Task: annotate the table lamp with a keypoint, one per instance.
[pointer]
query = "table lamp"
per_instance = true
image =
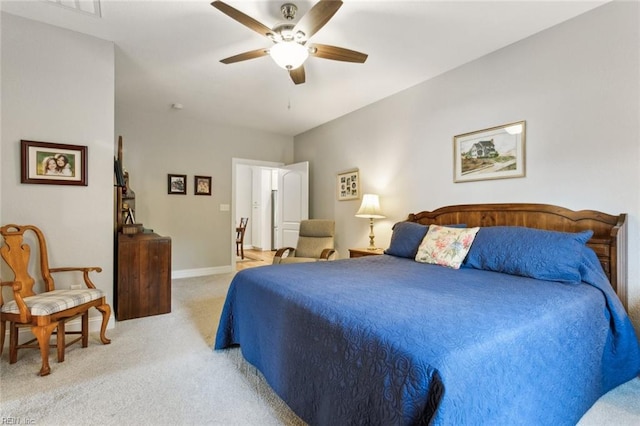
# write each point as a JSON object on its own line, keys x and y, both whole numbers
{"x": 370, "y": 208}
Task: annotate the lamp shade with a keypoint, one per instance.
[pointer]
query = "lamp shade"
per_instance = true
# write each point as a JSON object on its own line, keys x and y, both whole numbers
{"x": 289, "y": 54}
{"x": 370, "y": 207}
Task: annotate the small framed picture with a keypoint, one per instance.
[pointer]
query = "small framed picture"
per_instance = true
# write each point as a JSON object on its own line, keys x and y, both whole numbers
{"x": 494, "y": 153}
{"x": 177, "y": 184}
{"x": 202, "y": 185}
{"x": 53, "y": 163}
{"x": 348, "y": 185}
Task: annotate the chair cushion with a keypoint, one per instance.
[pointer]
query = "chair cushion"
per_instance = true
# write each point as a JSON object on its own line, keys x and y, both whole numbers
{"x": 54, "y": 301}
{"x": 292, "y": 259}
{"x": 317, "y": 228}
{"x": 312, "y": 246}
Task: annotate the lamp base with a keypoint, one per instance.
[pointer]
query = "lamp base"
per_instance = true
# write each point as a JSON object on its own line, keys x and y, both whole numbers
{"x": 372, "y": 237}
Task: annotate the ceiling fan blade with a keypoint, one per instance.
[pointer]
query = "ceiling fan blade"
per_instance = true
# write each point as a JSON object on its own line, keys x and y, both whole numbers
{"x": 325, "y": 51}
{"x": 317, "y": 17}
{"x": 245, "y": 20}
{"x": 297, "y": 75}
{"x": 252, "y": 54}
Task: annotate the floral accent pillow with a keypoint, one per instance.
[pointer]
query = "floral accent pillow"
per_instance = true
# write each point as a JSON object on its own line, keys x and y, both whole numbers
{"x": 446, "y": 246}
{"x": 407, "y": 236}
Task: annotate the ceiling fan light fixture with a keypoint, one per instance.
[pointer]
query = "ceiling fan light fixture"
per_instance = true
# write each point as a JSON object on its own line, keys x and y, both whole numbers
{"x": 289, "y": 55}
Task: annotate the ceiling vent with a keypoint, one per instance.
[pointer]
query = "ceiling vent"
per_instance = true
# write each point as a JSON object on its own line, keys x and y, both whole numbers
{"x": 86, "y": 7}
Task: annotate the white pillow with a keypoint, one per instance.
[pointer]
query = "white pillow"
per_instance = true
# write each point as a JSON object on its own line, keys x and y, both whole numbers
{"x": 446, "y": 246}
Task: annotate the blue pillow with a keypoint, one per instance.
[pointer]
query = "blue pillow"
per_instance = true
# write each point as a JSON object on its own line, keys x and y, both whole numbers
{"x": 406, "y": 238}
{"x": 529, "y": 252}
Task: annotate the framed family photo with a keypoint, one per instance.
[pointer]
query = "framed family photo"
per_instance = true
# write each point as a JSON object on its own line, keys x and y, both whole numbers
{"x": 348, "y": 185}
{"x": 177, "y": 184}
{"x": 202, "y": 185}
{"x": 53, "y": 163}
{"x": 493, "y": 153}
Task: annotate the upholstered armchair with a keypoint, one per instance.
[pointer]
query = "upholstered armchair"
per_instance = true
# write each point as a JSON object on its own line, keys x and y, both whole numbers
{"x": 315, "y": 243}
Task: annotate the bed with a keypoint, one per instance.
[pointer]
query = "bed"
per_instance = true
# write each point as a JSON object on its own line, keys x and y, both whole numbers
{"x": 530, "y": 328}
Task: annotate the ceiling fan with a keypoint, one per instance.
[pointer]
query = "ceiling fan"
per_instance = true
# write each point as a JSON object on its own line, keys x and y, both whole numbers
{"x": 291, "y": 48}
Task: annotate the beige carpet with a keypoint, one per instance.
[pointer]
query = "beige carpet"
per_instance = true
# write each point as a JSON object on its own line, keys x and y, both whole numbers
{"x": 161, "y": 370}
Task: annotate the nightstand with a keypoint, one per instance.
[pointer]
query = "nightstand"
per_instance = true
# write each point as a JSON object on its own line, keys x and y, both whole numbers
{"x": 361, "y": 252}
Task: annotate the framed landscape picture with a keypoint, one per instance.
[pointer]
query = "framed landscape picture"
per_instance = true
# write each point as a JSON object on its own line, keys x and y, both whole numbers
{"x": 348, "y": 185}
{"x": 494, "y": 153}
{"x": 53, "y": 163}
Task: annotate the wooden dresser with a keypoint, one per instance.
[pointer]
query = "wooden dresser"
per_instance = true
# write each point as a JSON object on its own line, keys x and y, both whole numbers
{"x": 142, "y": 259}
{"x": 143, "y": 275}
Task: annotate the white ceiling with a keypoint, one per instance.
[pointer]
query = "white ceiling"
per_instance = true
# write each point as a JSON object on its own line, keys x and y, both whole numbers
{"x": 169, "y": 51}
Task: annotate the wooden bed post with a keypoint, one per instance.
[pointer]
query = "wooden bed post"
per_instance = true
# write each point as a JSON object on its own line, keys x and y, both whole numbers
{"x": 618, "y": 256}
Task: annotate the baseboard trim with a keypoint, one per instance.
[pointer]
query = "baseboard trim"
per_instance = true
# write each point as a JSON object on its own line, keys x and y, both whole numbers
{"x": 188, "y": 273}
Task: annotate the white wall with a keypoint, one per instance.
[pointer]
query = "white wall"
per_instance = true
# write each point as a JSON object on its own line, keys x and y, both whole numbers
{"x": 58, "y": 86}
{"x": 576, "y": 85}
{"x": 158, "y": 143}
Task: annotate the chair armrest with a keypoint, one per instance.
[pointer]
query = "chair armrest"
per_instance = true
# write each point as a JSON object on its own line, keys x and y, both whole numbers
{"x": 282, "y": 253}
{"x": 16, "y": 286}
{"x": 85, "y": 273}
{"x": 326, "y": 254}
{"x": 285, "y": 250}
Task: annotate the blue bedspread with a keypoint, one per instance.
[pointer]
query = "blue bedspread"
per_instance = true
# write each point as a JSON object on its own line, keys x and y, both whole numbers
{"x": 386, "y": 340}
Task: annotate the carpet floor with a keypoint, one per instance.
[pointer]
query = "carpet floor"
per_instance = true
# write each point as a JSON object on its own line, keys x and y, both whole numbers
{"x": 161, "y": 370}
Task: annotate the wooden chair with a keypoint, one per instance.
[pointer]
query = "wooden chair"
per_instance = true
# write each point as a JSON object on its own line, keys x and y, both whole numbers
{"x": 49, "y": 310}
{"x": 240, "y": 230}
{"x": 315, "y": 243}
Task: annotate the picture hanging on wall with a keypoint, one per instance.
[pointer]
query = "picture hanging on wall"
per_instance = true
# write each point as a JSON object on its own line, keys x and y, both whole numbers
{"x": 202, "y": 185}
{"x": 53, "y": 163}
{"x": 348, "y": 185}
{"x": 177, "y": 184}
{"x": 494, "y": 153}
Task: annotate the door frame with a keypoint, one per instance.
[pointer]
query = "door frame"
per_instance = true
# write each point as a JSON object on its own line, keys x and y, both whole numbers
{"x": 234, "y": 163}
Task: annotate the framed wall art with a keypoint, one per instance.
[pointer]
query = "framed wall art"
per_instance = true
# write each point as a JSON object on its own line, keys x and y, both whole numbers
{"x": 202, "y": 185}
{"x": 348, "y": 185}
{"x": 494, "y": 153}
{"x": 177, "y": 184}
{"x": 53, "y": 163}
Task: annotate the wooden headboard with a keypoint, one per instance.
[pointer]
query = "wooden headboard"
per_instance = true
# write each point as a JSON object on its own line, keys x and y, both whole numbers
{"x": 609, "y": 239}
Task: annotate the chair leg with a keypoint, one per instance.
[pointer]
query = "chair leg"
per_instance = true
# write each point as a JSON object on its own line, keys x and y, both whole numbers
{"x": 85, "y": 329}
{"x": 43, "y": 334}
{"x": 241, "y": 251}
{"x": 60, "y": 341}
{"x": 3, "y": 330}
{"x": 106, "y": 313}
{"x": 13, "y": 343}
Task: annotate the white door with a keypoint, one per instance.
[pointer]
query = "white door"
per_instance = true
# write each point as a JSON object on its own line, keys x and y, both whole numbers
{"x": 292, "y": 202}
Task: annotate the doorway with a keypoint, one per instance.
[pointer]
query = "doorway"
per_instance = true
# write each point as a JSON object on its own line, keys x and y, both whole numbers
{"x": 274, "y": 196}
{"x": 254, "y": 258}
